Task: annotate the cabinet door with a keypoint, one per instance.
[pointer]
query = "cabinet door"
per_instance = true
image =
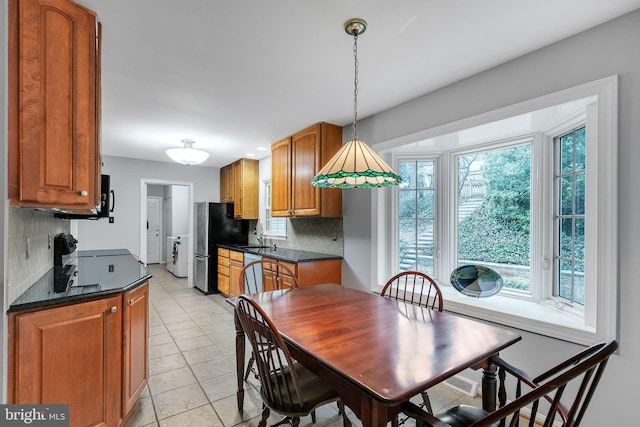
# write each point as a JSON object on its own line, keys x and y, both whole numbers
{"x": 52, "y": 112}
{"x": 248, "y": 182}
{"x": 237, "y": 191}
{"x": 234, "y": 278}
{"x": 281, "y": 178}
{"x": 286, "y": 281}
{"x": 223, "y": 284}
{"x": 224, "y": 184}
{"x": 71, "y": 355}
{"x": 136, "y": 346}
{"x": 305, "y": 161}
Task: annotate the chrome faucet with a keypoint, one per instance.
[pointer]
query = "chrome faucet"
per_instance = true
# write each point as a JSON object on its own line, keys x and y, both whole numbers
{"x": 260, "y": 236}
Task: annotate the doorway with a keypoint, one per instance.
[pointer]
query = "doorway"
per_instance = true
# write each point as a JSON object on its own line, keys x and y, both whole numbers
{"x": 144, "y": 248}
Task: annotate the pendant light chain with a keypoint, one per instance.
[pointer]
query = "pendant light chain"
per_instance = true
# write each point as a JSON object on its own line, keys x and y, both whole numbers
{"x": 355, "y": 165}
{"x": 355, "y": 86}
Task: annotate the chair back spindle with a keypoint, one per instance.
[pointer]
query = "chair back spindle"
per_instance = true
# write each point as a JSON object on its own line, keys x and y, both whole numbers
{"x": 548, "y": 397}
{"x": 585, "y": 368}
{"x": 414, "y": 287}
{"x": 266, "y": 275}
{"x": 280, "y": 385}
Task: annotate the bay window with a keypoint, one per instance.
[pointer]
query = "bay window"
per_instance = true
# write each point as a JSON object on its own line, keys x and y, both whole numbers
{"x": 528, "y": 191}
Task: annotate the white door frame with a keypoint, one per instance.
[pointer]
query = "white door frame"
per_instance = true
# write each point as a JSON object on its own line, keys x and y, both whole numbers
{"x": 161, "y": 237}
{"x": 143, "y": 220}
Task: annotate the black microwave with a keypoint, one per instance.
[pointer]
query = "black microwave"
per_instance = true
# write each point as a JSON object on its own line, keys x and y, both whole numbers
{"x": 106, "y": 207}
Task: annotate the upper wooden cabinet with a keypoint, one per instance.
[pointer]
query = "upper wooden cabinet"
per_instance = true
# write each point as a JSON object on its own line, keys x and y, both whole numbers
{"x": 239, "y": 185}
{"x": 53, "y": 113}
{"x": 294, "y": 162}
{"x": 227, "y": 189}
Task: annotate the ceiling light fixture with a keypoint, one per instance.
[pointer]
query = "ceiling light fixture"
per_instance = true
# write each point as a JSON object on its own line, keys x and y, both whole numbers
{"x": 356, "y": 165}
{"x": 187, "y": 155}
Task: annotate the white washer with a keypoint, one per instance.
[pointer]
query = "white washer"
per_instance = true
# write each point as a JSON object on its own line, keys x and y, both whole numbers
{"x": 181, "y": 254}
{"x": 169, "y": 255}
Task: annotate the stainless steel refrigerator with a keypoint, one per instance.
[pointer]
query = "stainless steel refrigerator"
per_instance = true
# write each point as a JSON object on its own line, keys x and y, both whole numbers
{"x": 214, "y": 225}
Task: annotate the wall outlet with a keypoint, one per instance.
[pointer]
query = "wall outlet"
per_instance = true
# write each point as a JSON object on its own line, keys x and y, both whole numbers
{"x": 111, "y": 220}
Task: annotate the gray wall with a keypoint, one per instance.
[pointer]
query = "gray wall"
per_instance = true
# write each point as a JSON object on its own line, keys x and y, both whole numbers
{"x": 126, "y": 175}
{"x": 609, "y": 49}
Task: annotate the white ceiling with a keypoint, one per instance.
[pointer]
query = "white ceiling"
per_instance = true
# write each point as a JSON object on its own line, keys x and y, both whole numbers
{"x": 237, "y": 75}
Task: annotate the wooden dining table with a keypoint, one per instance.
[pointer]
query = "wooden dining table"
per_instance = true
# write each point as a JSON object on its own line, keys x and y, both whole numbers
{"x": 376, "y": 352}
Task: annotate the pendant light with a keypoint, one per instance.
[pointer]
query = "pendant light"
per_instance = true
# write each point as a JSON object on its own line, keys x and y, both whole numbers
{"x": 187, "y": 155}
{"x": 356, "y": 165}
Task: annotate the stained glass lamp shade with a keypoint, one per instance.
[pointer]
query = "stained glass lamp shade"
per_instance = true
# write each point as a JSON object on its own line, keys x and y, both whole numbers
{"x": 356, "y": 165}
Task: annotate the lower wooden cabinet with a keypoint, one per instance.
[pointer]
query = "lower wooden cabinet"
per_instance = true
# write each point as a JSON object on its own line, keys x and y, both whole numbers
{"x": 236, "y": 262}
{"x": 135, "y": 362}
{"x": 309, "y": 273}
{"x": 223, "y": 271}
{"x": 92, "y": 356}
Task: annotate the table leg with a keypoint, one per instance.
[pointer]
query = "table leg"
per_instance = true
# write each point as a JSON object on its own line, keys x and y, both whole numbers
{"x": 489, "y": 387}
{"x": 373, "y": 413}
{"x": 239, "y": 360}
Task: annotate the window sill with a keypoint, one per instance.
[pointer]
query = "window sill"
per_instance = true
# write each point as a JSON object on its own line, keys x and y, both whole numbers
{"x": 520, "y": 314}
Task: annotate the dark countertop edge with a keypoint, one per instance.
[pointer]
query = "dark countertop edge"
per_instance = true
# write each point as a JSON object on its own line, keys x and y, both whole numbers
{"x": 76, "y": 299}
{"x": 316, "y": 255}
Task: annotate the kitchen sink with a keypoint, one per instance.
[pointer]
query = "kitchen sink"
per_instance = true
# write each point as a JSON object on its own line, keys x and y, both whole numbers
{"x": 252, "y": 247}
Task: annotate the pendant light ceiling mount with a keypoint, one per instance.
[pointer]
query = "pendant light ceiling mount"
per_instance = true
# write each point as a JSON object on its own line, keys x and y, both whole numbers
{"x": 356, "y": 165}
{"x": 355, "y": 26}
{"x": 187, "y": 155}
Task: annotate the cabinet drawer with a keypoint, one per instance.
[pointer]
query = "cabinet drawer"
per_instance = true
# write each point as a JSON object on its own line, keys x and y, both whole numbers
{"x": 223, "y": 252}
{"x": 236, "y": 256}
{"x": 223, "y": 284}
{"x": 292, "y": 266}
{"x": 224, "y": 270}
{"x": 223, "y": 261}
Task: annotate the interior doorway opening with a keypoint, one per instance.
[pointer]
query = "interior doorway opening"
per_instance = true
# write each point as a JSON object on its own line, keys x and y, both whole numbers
{"x": 181, "y": 223}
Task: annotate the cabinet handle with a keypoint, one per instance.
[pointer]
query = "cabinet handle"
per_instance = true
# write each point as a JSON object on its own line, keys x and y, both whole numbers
{"x": 130, "y": 302}
{"x": 84, "y": 193}
{"x": 114, "y": 309}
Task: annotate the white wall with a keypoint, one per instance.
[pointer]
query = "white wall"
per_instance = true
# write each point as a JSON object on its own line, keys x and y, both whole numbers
{"x": 126, "y": 175}
{"x": 179, "y": 210}
{"x": 609, "y": 49}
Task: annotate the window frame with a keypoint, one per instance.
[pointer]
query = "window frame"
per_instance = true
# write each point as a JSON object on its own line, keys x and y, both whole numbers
{"x": 530, "y": 139}
{"x": 268, "y": 219}
{"x": 396, "y": 249}
{"x": 541, "y": 317}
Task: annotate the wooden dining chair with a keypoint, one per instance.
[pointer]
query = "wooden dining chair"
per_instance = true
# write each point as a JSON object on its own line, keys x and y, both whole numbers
{"x": 542, "y": 399}
{"x": 266, "y": 275}
{"x": 261, "y": 276}
{"x": 286, "y": 387}
{"x": 416, "y": 288}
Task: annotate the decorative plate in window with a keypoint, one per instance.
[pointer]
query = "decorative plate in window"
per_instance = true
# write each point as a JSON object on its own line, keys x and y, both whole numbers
{"x": 476, "y": 281}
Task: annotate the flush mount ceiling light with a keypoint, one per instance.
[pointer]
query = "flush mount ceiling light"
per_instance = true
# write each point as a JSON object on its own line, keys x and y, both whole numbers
{"x": 356, "y": 165}
{"x": 187, "y": 155}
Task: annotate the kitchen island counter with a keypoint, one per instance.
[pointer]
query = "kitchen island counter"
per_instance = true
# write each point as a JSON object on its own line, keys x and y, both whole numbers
{"x": 91, "y": 275}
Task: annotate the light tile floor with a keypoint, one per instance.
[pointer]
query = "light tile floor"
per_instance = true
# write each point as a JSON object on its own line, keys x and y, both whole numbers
{"x": 192, "y": 379}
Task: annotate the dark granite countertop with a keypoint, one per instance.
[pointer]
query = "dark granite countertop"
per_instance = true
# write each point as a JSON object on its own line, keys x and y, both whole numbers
{"x": 284, "y": 254}
{"x": 91, "y": 275}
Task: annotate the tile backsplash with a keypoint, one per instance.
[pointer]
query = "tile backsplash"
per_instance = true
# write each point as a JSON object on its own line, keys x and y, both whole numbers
{"x": 39, "y": 228}
{"x": 324, "y": 235}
